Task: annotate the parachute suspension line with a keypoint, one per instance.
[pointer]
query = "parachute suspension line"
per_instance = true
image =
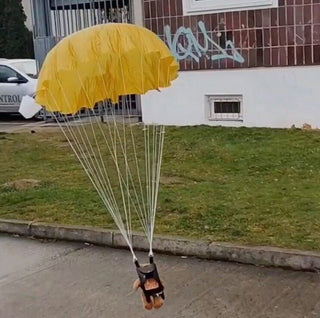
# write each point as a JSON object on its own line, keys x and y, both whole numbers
{"x": 152, "y": 164}
{"x": 157, "y": 181}
{"x": 109, "y": 186}
{"x": 147, "y": 164}
{"x": 128, "y": 233}
{"x": 83, "y": 157}
{"x": 87, "y": 148}
{"x": 118, "y": 169}
{"x": 144, "y": 209}
{"x": 140, "y": 214}
{"x": 155, "y": 166}
{"x": 97, "y": 166}
{"x": 116, "y": 217}
{"x": 102, "y": 163}
{"x": 127, "y": 208}
{"x": 127, "y": 214}
{"x": 124, "y": 149}
{"x": 128, "y": 217}
{"x": 158, "y": 153}
{"x": 91, "y": 154}
{"x": 141, "y": 217}
{"x": 82, "y": 154}
{"x": 150, "y": 182}
{"x": 129, "y": 174}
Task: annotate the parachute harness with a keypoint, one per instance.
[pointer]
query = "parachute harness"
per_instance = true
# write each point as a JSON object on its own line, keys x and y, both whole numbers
{"x": 149, "y": 272}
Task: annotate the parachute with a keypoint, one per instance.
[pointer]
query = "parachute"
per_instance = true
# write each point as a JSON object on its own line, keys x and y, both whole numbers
{"x": 103, "y": 62}
{"x": 87, "y": 81}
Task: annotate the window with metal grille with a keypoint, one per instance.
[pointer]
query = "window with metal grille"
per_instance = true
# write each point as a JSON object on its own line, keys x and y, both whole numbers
{"x": 225, "y": 107}
{"x": 210, "y": 6}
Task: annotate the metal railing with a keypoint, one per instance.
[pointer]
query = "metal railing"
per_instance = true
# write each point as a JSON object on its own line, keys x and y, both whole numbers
{"x": 56, "y": 19}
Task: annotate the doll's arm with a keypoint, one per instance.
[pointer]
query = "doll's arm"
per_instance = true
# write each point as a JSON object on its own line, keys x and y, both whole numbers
{"x": 136, "y": 284}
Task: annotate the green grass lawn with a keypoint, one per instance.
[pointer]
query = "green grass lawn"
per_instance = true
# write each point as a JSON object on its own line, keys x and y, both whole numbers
{"x": 252, "y": 186}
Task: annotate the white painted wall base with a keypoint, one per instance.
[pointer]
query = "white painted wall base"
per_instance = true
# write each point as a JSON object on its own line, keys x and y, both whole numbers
{"x": 272, "y": 97}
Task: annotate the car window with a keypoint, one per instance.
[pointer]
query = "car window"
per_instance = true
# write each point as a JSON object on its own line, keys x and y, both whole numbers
{"x": 6, "y": 72}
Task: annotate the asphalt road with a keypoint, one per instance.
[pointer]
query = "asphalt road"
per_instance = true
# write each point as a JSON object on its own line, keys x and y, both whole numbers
{"x": 60, "y": 279}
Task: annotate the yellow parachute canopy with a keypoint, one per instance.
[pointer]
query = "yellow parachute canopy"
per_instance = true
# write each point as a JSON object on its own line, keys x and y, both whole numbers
{"x": 104, "y": 62}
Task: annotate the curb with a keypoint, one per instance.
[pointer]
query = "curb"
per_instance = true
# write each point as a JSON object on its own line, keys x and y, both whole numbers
{"x": 259, "y": 256}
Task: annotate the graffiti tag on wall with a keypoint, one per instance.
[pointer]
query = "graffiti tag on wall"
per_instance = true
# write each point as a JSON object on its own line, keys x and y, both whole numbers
{"x": 192, "y": 48}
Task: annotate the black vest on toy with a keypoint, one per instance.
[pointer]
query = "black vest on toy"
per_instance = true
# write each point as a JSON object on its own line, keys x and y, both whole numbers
{"x": 146, "y": 272}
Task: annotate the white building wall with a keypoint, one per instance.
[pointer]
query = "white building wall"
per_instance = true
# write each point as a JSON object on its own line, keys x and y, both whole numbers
{"x": 272, "y": 97}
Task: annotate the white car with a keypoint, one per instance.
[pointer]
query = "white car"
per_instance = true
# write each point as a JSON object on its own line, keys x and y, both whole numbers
{"x": 18, "y": 78}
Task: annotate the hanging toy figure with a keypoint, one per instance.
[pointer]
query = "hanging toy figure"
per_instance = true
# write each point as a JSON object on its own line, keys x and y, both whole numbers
{"x": 151, "y": 285}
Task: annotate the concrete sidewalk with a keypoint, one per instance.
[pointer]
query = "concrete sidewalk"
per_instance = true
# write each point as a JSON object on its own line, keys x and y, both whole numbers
{"x": 57, "y": 279}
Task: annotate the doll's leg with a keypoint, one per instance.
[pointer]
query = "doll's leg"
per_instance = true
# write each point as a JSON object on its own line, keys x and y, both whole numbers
{"x": 158, "y": 302}
{"x": 147, "y": 305}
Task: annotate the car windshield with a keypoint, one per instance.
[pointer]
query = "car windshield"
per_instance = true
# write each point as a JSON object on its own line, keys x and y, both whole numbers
{"x": 27, "y": 67}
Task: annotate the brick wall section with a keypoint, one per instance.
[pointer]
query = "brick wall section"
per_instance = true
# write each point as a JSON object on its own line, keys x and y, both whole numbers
{"x": 285, "y": 36}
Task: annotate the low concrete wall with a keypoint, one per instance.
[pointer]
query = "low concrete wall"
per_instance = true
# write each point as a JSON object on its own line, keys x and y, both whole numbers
{"x": 260, "y": 255}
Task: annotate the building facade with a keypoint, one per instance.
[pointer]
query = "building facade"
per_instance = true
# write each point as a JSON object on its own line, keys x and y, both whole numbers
{"x": 253, "y": 63}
